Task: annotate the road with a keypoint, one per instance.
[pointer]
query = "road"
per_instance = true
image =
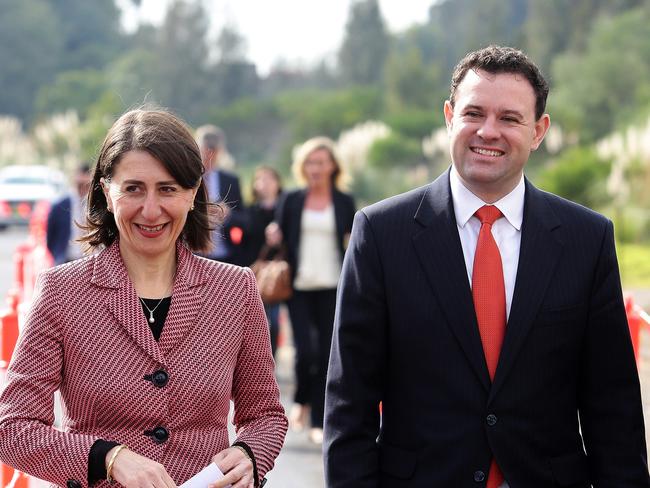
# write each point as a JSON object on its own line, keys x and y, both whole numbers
{"x": 300, "y": 463}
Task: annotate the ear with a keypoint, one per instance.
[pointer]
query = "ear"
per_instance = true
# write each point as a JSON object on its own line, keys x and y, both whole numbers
{"x": 105, "y": 189}
{"x": 541, "y": 128}
{"x": 449, "y": 114}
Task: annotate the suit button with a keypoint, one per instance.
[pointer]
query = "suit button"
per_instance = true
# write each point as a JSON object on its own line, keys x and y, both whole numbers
{"x": 159, "y": 378}
{"x": 491, "y": 420}
{"x": 479, "y": 476}
{"x": 158, "y": 434}
{"x": 73, "y": 484}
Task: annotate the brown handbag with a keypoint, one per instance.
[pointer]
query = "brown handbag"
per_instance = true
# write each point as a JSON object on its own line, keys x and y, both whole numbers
{"x": 273, "y": 276}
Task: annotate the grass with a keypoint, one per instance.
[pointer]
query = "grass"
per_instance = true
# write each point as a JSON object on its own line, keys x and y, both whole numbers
{"x": 634, "y": 263}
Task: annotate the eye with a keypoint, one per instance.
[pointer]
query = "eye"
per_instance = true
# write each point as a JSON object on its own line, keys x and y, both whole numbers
{"x": 168, "y": 189}
{"x": 510, "y": 119}
{"x": 131, "y": 188}
{"x": 472, "y": 114}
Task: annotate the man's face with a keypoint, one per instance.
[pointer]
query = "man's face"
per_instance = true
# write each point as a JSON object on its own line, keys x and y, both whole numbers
{"x": 209, "y": 156}
{"x": 492, "y": 130}
{"x": 82, "y": 181}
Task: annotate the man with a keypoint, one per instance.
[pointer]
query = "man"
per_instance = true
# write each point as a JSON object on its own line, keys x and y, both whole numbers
{"x": 223, "y": 186}
{"x": 499, "y": 350}
{"x": 62, "y": 228}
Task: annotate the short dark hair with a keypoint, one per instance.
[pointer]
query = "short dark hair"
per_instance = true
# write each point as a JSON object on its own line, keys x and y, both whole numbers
{"x": 499, "y": 59}
{"x": 168, "y": 139}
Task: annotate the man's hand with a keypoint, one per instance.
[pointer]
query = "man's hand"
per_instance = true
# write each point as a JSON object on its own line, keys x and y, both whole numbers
{"x": 237, "y": 468}
{"x": 134, "y": 471}
{"x": 273, "y": 235}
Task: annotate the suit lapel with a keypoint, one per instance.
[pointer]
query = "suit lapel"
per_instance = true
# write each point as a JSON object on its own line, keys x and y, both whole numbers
{"x": 538, "y": 257}
{"x": 109, "y": 271}
{"x": 440, "y": 253}
{"x": 186, "y": 302}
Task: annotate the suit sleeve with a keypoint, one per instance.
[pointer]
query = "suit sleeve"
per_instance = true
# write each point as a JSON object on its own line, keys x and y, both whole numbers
{"x": 28, "y": 441}
{"x": 259, "y": 416}
{"x": 355, "y": 382}
{"x": 610, "y": 402}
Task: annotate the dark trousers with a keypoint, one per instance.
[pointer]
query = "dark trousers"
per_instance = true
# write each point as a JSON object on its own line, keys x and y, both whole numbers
{"x": 312, "y": 321}
{"x": 273, "y": 317}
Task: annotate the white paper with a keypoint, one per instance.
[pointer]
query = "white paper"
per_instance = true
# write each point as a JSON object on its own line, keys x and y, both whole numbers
{"x": 204, "y": 477}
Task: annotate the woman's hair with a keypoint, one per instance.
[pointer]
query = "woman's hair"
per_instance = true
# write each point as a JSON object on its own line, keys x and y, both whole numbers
{"x": 165, "y": 137}
{"x": 301, "y": 154}
{"x": 265, "y": 169}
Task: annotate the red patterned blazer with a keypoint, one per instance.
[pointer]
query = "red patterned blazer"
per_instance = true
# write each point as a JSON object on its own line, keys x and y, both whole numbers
{"x": 86, "y": 336}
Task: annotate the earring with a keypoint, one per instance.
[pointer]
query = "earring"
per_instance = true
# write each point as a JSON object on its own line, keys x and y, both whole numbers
{"x": 192, "y": 207}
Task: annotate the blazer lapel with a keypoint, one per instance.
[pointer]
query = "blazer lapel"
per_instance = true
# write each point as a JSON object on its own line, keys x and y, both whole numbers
{"x": 109, "y": 271}
{"x": 440, "y": 253}
{"x": 186, "y": 302}
{"x": 538, "y": 256}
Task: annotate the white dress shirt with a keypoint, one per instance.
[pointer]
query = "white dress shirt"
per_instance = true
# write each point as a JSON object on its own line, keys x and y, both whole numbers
{"x": 506, "y": 231}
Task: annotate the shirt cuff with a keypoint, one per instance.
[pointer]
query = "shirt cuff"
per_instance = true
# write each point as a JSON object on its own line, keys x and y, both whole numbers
{"x": 249, "y": 451}
{"x": 97, "y": 460}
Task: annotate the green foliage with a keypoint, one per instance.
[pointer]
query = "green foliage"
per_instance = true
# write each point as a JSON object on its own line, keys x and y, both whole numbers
{"x": 395, "y": 151}
{"x": 365, "y": 45}
{"x": 310, "y": 113}
{"x": 415, "y": 124}
{"x": 600, "y": 90}
{"x": 634, "y": 264}
{"x": 578, "y": 175}
{"x": 30, "y": 49}
{"x": 72, "y": 90}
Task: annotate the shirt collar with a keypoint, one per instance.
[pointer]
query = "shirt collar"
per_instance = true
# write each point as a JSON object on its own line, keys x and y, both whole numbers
{"x": 466, "y": 203}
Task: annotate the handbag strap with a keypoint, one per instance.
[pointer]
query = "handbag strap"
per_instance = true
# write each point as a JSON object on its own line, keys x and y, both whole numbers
{"x": 266, "y": 250}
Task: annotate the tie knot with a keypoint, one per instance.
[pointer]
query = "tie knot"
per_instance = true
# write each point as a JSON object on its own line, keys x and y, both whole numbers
{"x": 488, "y": 214}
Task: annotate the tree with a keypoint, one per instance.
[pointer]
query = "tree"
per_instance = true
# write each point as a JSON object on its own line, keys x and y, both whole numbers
{"x": 31, "y": 47}
{"x": 365, "y": 46}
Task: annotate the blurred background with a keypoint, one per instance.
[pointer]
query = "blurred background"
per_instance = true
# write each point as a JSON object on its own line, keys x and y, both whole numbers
{"x": 371, "y": 74}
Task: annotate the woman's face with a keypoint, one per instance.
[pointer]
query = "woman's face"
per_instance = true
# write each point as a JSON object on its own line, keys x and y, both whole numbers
{"x": 266, "y": 185}
{"x": 319, "y": 168}
{"x": 149, "y": 206}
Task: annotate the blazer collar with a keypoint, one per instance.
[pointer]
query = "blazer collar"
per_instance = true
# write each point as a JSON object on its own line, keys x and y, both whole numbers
{"x": 109, "y": 271}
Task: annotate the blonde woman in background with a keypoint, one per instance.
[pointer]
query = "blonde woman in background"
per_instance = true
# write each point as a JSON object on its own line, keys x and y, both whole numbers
{"x": 314, "y": 222}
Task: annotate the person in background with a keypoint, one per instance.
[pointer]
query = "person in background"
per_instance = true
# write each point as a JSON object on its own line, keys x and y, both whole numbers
{"x": 146, "y": 342}
{"x": 266, "y": 191}
{"x": 65, "y": 215}
{"x": 486, "y": 316}
{"x": 223, "y": 186}
{"x": 314, "y": 222}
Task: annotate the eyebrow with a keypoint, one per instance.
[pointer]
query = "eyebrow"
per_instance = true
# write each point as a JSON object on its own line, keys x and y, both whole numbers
{"x": 504, "y": 112}
{"x": 160, "y": 183}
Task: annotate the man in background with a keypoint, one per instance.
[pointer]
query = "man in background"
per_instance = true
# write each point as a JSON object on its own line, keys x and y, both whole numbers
{"x": 62, "y": 228}
{"x": 223, "y": 186}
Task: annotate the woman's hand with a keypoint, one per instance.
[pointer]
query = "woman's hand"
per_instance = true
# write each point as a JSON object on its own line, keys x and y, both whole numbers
{"x": 134, "y": 471}
{"x": 237, "y": 468}
{"x": 273, "y": 235}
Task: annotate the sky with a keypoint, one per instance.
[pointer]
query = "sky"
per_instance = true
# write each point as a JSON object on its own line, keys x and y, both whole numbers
{"x": 297, "y": 32}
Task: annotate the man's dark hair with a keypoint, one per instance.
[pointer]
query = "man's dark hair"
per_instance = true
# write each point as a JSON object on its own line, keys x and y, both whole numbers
{"x": 165, "y": 137}
{"x": 500, "y": 59}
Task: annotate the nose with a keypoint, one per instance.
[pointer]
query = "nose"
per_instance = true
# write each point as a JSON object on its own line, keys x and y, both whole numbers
{"x": 151, "y": 208}
{"x": 489, "y": 129}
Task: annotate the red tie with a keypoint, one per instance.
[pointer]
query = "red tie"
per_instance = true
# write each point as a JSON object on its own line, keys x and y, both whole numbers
{"x": 488, "y": 291}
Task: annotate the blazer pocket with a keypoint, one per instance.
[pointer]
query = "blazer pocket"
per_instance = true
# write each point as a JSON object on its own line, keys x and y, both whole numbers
{"x": 396, "y": 461}
{"x": 560, "y": 315}
{"x": 571, "y": 469}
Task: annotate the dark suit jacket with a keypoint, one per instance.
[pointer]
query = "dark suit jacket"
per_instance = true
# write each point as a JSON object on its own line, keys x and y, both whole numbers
{"x": 406, "y": 334}
{"x": 230, "y": 194}
{"x": 289, "y": 216}
{"x": 59, "y": 229}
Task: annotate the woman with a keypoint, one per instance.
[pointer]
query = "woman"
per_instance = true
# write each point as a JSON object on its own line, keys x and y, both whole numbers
{"x": 146, "y": 342}
{"x": 266, "y": 190}
{"x": 315, "y": 223}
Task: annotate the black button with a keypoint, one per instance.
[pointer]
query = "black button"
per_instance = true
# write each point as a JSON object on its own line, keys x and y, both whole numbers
{"x": 491, "y": 419}
{"x": 73, "y": 484}
{"x": 479, "y": 476}
{"x": 158, "y": 434}
{"x": 159, "y": 378}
